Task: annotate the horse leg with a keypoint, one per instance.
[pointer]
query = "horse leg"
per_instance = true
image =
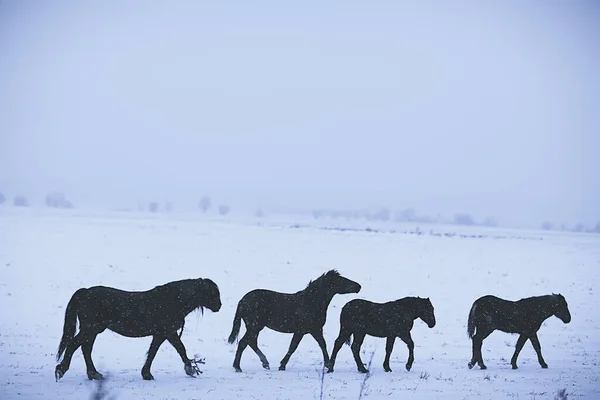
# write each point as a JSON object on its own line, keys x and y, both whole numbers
{"x": 253, "y": 343}
{"x": 358, "y": 341}
{"x": 86, "y": 349}
{"x": 538, "y": 349}
{"x": 63, "y": 367}
{"x": 389, "y": 345}
{"x": 520, "y": 343}
{"x": 343, "y": 337}
{"x": 238, "y": 354}
{"x": 293, "y": 346}
{"x": 318, "y": 335}
{"x": 406, "y": 338}
{"x": 477, "y": 344}
{"x": 157, "y": 341}
{"x": 176, "y": 342}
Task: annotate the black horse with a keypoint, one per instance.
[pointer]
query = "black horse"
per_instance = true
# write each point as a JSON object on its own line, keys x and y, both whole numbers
{"x": 298, "y": 313}
{"x": 159, "y": 312}
{"x": 391, "y": 319}
{"x": 524, "y": 317}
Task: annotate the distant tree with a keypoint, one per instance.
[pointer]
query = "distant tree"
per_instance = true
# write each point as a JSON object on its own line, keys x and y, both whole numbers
{"x": 547, "y": 226}
{"x": 223, "y": 209}
{"x": 579, "y": 228}
{"x": 2, "y": 198}
{"x": 259, "y": 213}
{"x": 20, "y": 201}
{"x": 168, "y": 206}
{"x": 383, "y": 214}
{"x": 205, "y": 204}
{"x": 153, "y": 207}
{"x": 463, "y": 219}
{"x": 317, "y": 214}
{"x": 598, "y": 227}
{"x": 57, "y": 200}
{"x": 490, "y": 221}
{"x": 409, "y": 214}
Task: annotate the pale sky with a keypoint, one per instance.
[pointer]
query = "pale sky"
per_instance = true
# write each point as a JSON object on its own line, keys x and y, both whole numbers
{"x": 491, "y": 108}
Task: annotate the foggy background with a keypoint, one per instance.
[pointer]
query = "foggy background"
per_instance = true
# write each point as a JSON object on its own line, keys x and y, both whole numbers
{"x": 491, "y": 109}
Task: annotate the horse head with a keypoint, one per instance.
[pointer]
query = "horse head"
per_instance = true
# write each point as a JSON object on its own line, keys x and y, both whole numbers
{"x": 426, "y": 312}
{"x": 561, "y": 308}
{"x": 210, "y": 296}
{"x": 340, "y": 284}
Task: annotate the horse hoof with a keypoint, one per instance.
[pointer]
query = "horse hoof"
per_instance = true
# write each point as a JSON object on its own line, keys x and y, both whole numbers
{"x": 329, "y": 370}
{"x": 282, "y": 367}
{"x": 482, "y": 367}
{"x": 363, "y": 371}
{"x": 545, "y": 366}
{"x": 237, "y": 369}
{"x": 470, "y": 365}
{"x": 408, "y": 367}
{"x": 58, "y": 374}
{"x": 147, "y": 376}
{"x": 514, "y": 366}
{"x": 388, "y": 369}
{"x": 266, "y": 366}
{"x": 95, "y": 375}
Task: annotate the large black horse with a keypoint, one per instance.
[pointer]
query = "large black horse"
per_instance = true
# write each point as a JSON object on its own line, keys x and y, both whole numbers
{"x": 391, "y": 319}
{"x": 159, "y": 312}
{"x": 524, "y": 317}
{"x": 298, "y": 313}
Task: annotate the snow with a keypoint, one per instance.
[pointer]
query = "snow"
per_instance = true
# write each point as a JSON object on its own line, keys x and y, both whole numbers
{"x": 46, "y": 255}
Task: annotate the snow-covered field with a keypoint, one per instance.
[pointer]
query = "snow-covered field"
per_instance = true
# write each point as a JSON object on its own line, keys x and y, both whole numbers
{"x": 46, "y": 255}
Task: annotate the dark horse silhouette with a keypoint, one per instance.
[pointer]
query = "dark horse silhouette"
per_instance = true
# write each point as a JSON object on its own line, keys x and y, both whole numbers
{"x": 159, "y": 312}
{"x": 524, "y": 317}
{"x": 391, "y": 319}
{"x": 298, "y": 313}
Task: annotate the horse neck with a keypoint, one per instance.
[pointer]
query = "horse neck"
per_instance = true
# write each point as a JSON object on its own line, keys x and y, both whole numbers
{"x": 544, "y": 309}
{"x": 319, "y": 296}
{"x": 185, "y": 302}
{"x": 410, "y": 307}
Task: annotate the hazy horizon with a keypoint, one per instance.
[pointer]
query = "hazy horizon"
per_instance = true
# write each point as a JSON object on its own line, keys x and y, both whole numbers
{"x": 487, "y": 109}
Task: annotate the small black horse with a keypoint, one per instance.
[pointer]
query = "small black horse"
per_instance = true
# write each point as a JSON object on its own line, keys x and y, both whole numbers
{"x": 524, "y": 317}
{"x": 391, "y": 319}
{"x": 298, "y": 313}
{"x": 159, "y": 312}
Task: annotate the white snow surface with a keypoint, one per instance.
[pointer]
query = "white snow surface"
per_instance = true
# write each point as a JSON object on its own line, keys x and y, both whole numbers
{"x": 47, "y": 255}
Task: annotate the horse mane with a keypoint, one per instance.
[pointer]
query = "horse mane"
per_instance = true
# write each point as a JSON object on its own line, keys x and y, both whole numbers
{"x": 324, "y": 277}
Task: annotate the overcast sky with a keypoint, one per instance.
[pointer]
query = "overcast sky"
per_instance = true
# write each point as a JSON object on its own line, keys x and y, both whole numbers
{"x": 492, "y": 108}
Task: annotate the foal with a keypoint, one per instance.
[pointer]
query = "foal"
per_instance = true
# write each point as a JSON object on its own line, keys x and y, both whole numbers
{"x": 391, "y": 319}
{"x": 525, "y": 317}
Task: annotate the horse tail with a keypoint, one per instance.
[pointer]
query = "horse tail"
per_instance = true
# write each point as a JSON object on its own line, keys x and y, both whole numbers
{"x": 237, "y": 322}
{"x": 70, "y": 323}
{"x": 471, "y": 322}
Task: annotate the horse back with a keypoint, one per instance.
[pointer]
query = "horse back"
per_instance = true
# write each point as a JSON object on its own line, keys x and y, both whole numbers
{"x": 283, "y": 312}
{"x": 507, "y": 315}
{"x": 125, "y": 311}
{"x": 375, "y": 319}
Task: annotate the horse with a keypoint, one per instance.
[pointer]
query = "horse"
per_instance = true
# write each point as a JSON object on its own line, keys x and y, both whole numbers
{"x": 385, "y": 320}
{"x": 525, "y": 317}
{"x": 299, "y": 313}
{"x": 159, "y": 312}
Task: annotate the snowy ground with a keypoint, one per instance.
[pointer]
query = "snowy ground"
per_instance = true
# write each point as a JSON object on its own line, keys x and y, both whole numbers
{"x": 45, "y": 256}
